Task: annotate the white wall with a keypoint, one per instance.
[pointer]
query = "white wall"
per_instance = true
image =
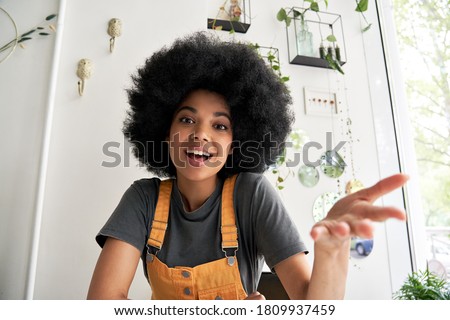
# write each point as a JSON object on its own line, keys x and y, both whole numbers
{"x": 24, "y": 80}
{"x": 80, "y": 193}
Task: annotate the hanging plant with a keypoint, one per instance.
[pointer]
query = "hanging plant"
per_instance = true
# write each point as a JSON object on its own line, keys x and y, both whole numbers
{"x": 361, "y": 7}
{"x": 271, "y": 59}
{"x": 333, "y": 58}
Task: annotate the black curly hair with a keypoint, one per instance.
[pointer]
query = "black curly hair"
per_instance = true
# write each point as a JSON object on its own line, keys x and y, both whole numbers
{"x": 259, "y": 102}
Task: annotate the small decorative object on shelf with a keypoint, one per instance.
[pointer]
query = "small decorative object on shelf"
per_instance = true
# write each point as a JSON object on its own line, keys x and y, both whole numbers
{"x": 114, "y": 31}
{"x": 315, "y": 38}
{"x": 231, "y": 15}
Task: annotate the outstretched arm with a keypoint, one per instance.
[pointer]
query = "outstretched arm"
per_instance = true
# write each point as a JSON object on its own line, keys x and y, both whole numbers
{"x": 115, "y": 270}
{"x": 351, "y": 216}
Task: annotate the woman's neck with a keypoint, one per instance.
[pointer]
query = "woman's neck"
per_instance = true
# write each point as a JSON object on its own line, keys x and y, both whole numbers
{"x": 195, "y": 193}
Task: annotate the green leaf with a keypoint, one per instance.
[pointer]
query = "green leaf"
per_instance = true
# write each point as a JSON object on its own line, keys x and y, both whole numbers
{"x": 24, "y": 39}
{"x": 362, "y": 5}
{"x": 288, "y": 21}
{"x": 297, "y": 13}
{"x": 333, "y": 64}
{"x": 367, "y": 28}
{"x": 232, "y": 31}
{"x": 326, "y": 3}
{"x": 282, "y": 15}
{"x": 28, "y": 33}
{"x": 314, "y": 6}
{"x": 284, "y": 79}
{"x": 50, "y": 17}
{"x": 40, "y": 28}
{"x": 44, "y": 34}
{"x": 280, "y": 179}
{"x": 274, "y": 171}
{"x": 276, "y": 68}
{"x": 254, "y": 46}
{"x": 331, "y": 38}
{"x": 280, "y": 187}
{"x": 270, "y": 57}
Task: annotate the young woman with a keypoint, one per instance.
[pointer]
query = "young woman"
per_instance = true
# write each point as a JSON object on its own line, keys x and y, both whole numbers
{"x": 211, "y": 117}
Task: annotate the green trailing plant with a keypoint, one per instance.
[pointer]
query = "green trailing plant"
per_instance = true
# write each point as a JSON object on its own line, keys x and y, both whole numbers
{"x": 361, "y": 7}
{"x": 423, "y": 285}
{"x": 296, "y": 139}
{"x": 43, "y": 29}
{"x": 271, "y": 59}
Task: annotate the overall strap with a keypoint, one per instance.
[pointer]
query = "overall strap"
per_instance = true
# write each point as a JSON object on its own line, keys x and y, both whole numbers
{"x": 228, "y": 228}
{"x": 159, "y": 224}
{"x": 228, "y": 222}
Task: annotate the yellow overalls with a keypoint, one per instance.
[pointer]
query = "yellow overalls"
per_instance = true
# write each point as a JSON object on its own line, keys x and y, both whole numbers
{"x": 219, "y": 279}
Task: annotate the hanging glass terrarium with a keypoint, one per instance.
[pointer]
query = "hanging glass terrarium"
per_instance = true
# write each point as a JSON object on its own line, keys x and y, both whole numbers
{"x": 229, "y": 15}
{"x": 315, "y": 38}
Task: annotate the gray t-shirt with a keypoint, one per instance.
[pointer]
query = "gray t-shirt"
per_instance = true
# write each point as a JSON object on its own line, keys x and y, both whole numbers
{"x": 265, "y": 230}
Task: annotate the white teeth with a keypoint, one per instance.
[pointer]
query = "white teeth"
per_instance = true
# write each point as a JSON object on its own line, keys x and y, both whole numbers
{"x": 199, "y": 153}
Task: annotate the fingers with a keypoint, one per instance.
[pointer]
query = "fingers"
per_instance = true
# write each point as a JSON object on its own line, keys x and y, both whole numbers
{"x": 363, "y": 229}
{"x": 342, "y": 230}
{"x": 382, "y": 187}
{"x": 379, "y": 214}
{"x": 332, "y": 228}
{"x": 255, "y": 296}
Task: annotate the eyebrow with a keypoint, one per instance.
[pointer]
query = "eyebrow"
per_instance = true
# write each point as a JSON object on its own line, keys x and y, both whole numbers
{"x": 193, "y": 110}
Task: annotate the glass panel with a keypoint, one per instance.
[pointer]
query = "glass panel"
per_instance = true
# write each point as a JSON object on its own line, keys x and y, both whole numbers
{"x": 422, "y": 32}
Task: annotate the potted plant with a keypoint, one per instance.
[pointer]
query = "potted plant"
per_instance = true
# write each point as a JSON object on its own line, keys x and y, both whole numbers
{"x": 424, "y": 285}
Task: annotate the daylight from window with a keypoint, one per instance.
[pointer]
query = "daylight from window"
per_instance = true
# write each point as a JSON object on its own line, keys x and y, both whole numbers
{"x": 424, "y": 42}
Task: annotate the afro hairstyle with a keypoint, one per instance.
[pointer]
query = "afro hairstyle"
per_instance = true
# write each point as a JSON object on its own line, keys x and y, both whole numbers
{"x": 259, "y": 102}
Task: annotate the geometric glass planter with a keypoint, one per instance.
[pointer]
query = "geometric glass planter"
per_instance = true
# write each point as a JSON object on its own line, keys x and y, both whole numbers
{"x": 312, "y": 35}
{"x": 229, "y": 15}
{"x": 271, "y": 57}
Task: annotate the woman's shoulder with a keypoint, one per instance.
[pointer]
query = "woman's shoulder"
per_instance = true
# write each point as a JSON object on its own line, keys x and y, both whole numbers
{"x": 145, "y": 187}
{"x": 250, "y": 181}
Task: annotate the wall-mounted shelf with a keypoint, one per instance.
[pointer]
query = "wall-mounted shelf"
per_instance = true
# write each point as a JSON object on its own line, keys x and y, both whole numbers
{"x": 227, "y": 25}
{"x": 230, "y": 15}
{"x": 312, "y": 61}
{"x": 308, "y": 31}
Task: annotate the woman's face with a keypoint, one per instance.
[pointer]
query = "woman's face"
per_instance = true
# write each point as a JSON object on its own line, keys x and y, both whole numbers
{"x": 200, "y": 135}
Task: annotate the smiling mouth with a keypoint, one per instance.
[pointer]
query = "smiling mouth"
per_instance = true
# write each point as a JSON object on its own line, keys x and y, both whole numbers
{"x": 198, "y": 155}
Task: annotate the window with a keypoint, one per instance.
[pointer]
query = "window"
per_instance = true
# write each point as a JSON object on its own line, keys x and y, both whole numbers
{"x": 423, "y": 41}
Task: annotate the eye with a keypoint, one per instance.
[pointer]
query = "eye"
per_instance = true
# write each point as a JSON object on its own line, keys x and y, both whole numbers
{"x": 186, "y": 120}
{"x": 220, "y": 127}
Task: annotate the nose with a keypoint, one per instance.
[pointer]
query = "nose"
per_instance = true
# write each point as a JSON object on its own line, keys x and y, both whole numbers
{"x": 201, "y": 133}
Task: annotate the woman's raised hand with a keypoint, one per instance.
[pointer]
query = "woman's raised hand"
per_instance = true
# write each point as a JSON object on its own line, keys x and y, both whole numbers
{"x": 353, "y": 215}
